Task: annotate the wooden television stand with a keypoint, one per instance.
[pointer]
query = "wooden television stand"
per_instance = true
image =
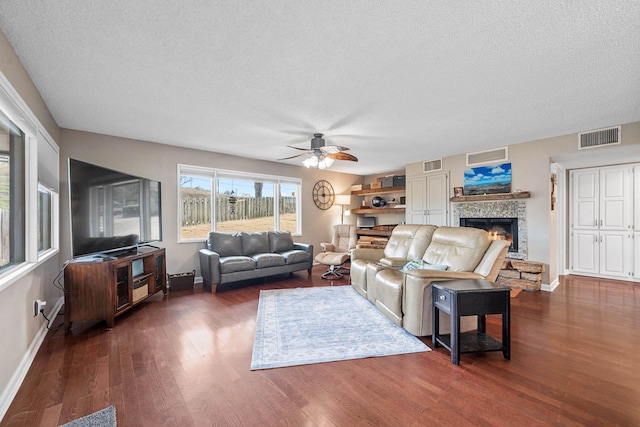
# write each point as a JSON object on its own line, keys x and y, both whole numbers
{"x": 105, "y": 288}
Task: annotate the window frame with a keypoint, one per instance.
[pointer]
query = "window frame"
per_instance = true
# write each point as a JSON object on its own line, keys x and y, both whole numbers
{"x": 214, "y": 174}
{"x": 16, "y": 110}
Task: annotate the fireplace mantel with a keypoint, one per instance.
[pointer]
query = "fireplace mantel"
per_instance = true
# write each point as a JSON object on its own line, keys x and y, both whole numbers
{"x": 488, "y": 197}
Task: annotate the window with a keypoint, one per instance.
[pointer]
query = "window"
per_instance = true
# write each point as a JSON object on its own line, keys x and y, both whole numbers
{"x": 12, "y": 193}
{"x": 29, "y": 180}
{"x": 242, "y": 202}
{"x": 44, "y": 219}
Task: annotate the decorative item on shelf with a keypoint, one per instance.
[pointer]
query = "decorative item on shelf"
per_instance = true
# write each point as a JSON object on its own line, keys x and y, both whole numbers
{"x": 376, "y": 184}
{"x": 378, "y": 202}
{"x": 458, "y": 191}
{"x": 356, "y": 187}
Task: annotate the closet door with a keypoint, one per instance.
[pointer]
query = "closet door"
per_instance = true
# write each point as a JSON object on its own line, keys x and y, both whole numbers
{"x": 586, "y": 251}
{"x": 416, "y": 212}
{"x": 585, "y": 188}
{"x": 616, "y": 194}
{"x": 438, "y": 199}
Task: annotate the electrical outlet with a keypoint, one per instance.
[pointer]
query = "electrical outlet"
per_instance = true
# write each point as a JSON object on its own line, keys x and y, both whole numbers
{"x": 38, "y": 306}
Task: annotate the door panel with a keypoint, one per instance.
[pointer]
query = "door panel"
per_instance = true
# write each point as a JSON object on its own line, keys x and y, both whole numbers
{"x": 585, "y": 251}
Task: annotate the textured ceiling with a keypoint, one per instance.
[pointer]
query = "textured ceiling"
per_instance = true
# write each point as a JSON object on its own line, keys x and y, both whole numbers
{"x": 396, "y": 81}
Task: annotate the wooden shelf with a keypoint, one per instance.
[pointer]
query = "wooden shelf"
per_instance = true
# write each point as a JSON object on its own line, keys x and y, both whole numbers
{"x": 377, "y": 191}
{"x": 376, "y": 233}
{"x": 486, "y": 197}
{"x": 376, "y": 210}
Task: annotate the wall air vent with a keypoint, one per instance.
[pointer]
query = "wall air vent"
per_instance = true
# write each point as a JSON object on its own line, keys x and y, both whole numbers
{"x": 490, "y": 156}
{"x": 598, "y": 138}
{"x": 432, "y": 165}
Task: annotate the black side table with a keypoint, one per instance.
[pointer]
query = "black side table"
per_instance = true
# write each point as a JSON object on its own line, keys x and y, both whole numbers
{"x": 468, "y": 297}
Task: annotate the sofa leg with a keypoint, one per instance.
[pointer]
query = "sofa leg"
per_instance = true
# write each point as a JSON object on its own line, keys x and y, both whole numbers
{"x": 309, "y": 272}
{"x": 214, "y": 287}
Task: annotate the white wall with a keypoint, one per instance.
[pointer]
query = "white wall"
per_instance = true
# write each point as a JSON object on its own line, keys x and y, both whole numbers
{"x": 531, "y": 163}
{"x": 23, "y": 333}
{"x": 159, "y": 162}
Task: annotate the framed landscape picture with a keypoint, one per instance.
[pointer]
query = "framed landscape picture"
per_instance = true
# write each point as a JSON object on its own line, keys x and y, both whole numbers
{"x": 492, "y": 179}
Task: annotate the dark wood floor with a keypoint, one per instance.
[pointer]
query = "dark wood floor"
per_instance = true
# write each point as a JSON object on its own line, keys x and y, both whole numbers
{"x": 183, "y": 360}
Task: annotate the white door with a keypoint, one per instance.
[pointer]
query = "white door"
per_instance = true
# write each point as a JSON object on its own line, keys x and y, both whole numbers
{"x": 438, "y": 199}
{"x": 586, "y": 251}
{"x": 585, "y": 187}
{"x": 616, "y": 195}
{"x": 416, "y": 210}
{"x": 636, "y": 255}
{"x": 615, "y": 248}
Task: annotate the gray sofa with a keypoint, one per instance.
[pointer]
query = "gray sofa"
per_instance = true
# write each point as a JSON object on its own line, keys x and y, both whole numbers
{"x": 231, "y": 257}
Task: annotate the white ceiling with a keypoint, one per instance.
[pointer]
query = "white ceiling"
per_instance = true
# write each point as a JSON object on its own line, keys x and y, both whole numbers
{"x": 396, "y": 81}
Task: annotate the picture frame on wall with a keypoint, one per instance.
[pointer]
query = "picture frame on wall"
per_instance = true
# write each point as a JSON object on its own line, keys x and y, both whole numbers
{"x": 458, "y": 191}
{"x": 491, "y": 179}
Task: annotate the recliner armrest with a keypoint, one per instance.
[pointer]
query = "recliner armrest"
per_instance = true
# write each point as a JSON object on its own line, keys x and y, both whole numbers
{"x": 326, "y": 247}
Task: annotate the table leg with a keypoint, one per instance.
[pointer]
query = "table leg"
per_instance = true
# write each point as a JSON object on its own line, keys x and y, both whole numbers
{"x": 455, "y": 335}
{"x": 482, "y": 323}
{"x": 435, "y": 326}
{"x": 506, "y": 334}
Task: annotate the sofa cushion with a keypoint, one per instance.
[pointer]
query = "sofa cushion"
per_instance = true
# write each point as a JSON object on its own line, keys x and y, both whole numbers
{"x": 254, "y": 243}
{"x": 231, "y": 264}
{"x": 225, "y": 244}
{"x": 296, "y": 256}
{"x": 280, "y": 241}
{"x": 268, "y": 260}
{"x": 461, "y": 248}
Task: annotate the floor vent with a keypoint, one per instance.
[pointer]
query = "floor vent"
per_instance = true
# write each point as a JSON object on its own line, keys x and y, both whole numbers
{"x": 489, "y": 156}
{"x": 432, "y": 165}
{"x": 598, "y": 138}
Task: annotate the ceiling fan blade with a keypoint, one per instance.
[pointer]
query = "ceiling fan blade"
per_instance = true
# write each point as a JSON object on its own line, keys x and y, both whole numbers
{"x": 297, "y": 155}
{"x": 333, "y": 149}
{"x": 343, "y": 156}
{"x": 298, "y": 148}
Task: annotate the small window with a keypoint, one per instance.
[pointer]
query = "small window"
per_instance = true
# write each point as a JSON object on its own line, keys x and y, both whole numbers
{"x": 45, "y": 215}
{"x": 195, "y": 207}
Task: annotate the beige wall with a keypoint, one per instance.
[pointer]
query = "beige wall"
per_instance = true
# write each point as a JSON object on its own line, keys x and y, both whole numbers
{"x": 531, "y": 172}
{"x": 22, "y": 331}
{"x": 159, "y": 162}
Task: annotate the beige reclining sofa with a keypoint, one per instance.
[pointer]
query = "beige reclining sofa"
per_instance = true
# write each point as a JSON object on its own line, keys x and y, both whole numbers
{"x": 405, "y": 297}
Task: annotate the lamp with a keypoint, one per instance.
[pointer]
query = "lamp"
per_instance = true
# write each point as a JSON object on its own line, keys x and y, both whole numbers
{"x": 343, "y": 200}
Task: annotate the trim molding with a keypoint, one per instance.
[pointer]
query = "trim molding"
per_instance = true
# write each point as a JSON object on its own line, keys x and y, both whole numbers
{"x": 10, "y": 391}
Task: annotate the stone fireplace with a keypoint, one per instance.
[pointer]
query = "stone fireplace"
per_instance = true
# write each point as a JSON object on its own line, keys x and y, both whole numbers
{"x": 507, "y": 218}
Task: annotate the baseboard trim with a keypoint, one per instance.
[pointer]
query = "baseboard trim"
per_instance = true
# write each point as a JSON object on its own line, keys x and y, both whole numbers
{"x": 10, "y": 391}
{"x": 551, "y": 287}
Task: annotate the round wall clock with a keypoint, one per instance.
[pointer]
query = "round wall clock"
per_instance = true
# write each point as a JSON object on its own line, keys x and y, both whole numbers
{"x": 323, "y": 194}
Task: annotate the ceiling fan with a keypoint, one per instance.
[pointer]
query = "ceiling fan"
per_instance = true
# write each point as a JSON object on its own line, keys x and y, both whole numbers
{"x": 321, "y": 156}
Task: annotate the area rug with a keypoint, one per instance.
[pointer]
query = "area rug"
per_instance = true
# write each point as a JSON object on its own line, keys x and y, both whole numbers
{"x": 103, "y": 418}
{"x": 323, "y": 324}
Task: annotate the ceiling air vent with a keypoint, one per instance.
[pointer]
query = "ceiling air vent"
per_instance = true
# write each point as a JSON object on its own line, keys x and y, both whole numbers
{"x": 432, "y": 165}
{"x": 598, "y": 138}
{"x": 489, "y": 156}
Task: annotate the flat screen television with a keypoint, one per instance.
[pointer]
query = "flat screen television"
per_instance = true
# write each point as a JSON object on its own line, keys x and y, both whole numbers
{"x": 111, "y": 211}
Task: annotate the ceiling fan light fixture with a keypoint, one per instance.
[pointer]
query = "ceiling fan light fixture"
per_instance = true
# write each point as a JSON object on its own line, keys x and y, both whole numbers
{"x": 325, "y": 163}
{"x": 310, "y": 162}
